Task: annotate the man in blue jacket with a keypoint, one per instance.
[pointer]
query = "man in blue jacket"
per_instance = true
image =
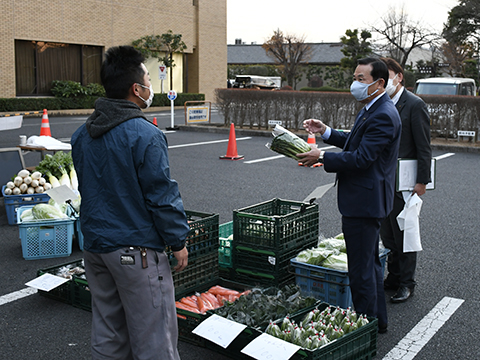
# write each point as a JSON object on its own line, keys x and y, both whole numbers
{"x": 366, "y": 181}
{"x": 131, "y": 210}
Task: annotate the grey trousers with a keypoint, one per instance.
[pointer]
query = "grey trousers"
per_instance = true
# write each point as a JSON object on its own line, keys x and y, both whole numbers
{"x": 133, "y": 309}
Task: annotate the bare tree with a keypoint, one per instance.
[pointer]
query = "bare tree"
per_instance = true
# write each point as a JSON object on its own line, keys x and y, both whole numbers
{"x": 289, "y": 51}
{"x": 399, "y": 35}
{"x": 456, "y": 54}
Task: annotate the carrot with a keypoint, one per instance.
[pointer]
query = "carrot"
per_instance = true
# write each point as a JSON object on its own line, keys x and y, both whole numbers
{"x": 181, "y": 317}
{"x": 217, "y": 289}
{"x": 221, "y": 299}
{"x": 206, "y": 301}
{"x": 213, "y": 300}
{"x": 189, "y": 302}
{"x": 182, "y": 306}
{"x": 201, "y": 305}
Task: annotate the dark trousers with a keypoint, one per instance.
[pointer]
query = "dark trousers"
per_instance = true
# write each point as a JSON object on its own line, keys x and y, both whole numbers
{"x": 364, "y": 267}
{"x": 401, "y": 266}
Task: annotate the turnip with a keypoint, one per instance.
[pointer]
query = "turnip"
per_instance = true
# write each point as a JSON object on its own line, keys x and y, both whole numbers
{"x": 39, "y": 189}
{"x": 34, "y": 183}
{"x": 23, "y": 173}
{"x": 42, "y": 181}
{"x": 10, "y": 185}
{"x": 23, "y": 188}
{"x": 47, "y": 186}
{"x": 8, "y": 191}
{"x": 27, "y": 180}
{"x": 30, "y": 190}
{"x": 18, "y": 181}
{"x": 16, "y": 191}
{"x": 36, "y": 175}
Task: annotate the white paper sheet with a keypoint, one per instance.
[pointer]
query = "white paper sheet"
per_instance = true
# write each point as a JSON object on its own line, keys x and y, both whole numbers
{"x": 46, "y": 282}
{"x": 267, "y": 347}
{"x": 219, "y": 330}
{"x": 407, "y": 174}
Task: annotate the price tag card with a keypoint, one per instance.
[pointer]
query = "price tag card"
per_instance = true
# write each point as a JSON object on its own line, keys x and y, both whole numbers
{"x": 219, "y": 330}
{"x": 46, "y": 282}
{"x": 267, "y": 347}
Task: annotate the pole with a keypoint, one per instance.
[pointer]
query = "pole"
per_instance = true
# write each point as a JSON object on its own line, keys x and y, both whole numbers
{"x": 172, "y": 120}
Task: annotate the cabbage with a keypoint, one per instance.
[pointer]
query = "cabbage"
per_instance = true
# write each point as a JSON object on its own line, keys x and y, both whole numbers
{"x": 315, "y": 256}
{"x": 27, "y": 215}
{"x": 47, "y": 212}
{"x": 336, "y": 262}
{"x": 331, "y": 244}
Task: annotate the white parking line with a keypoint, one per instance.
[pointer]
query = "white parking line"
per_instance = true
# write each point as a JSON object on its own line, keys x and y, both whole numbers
{"x": 446, "y": 155}
{"x": 419, "y": 336}
{"x": 5, "y": 299}
{"x": 205, "y": 143}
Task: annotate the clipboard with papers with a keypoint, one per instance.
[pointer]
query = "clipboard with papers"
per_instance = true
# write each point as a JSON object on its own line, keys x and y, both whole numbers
{"x": 407, "y": 174}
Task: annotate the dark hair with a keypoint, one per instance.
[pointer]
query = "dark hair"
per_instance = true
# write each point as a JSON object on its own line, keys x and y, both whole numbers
{"x": 121, "y": 69}
{"x": 394, "y": 66}
{"x": 379, "y": 69}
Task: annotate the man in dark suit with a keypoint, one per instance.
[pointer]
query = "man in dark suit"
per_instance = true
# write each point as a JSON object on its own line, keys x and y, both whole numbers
{"x": 414, "y": 144}
{"x": 366, "y": 181}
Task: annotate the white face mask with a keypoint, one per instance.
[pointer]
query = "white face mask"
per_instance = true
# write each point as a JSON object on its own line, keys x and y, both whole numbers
{"x": 147, "y": 102}
{"x": 390, "y": 89}
{"x": 360, "y": 90}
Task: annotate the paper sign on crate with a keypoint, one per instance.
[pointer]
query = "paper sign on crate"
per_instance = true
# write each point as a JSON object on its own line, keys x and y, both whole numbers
{"x": 219, "y": 330}
{"x": 46, "y": 282}
{"x": 267, "y": 347}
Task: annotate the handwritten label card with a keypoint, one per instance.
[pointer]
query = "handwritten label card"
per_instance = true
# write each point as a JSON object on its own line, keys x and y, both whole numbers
{"x": 267, "y": 347}
{"x": 46, "y": 282}
{"x": 219, "y": 330}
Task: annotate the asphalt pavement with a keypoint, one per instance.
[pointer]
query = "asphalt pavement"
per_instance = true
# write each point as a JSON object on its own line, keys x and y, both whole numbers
{"x": 35, "y": 327}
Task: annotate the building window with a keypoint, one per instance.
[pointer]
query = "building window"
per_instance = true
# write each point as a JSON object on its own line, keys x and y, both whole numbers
{"x": 38, "y": 63}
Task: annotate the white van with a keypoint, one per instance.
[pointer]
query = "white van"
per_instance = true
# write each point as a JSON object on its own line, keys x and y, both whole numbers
{"x": 445, "y": 86}
{"x": 256, "y": 82}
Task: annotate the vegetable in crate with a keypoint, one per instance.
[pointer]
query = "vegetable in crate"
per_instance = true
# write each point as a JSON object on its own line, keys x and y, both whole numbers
{"x": 26, "y": 183}
{"x": 287, "y": 143}
{"x": 47, "y": 212}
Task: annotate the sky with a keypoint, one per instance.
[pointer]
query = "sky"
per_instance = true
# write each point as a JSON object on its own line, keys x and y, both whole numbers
{"x": 254, "y": 21}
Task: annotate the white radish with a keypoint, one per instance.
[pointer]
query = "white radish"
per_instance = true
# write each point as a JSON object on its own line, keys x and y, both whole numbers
{"x": 10, "y": 185}
{"x": 30, "y": 190}
{"x": 27, "y": 180}
{"x": 18, "y": 180}
{"x": 16, "y": 191}
{"x": 39, "y": 189}
{"x": 42, "y": 181}
{"x": 47, "y": 186}
{"x": 8, "y": 191}
{"x": 34, "y": 183}
{"x": 36, "y": 175}
{"x": 23, "y": 188}
{"x": 23, "y": 173}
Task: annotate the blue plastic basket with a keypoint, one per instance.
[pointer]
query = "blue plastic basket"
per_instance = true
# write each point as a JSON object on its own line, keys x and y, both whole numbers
{"x": 328, "y": 285}
{"x": 45, "y": 239}
{"x": 13, "y": 202}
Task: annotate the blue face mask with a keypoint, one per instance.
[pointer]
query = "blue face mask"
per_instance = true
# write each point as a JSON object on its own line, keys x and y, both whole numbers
{"x": 360, "y": 90}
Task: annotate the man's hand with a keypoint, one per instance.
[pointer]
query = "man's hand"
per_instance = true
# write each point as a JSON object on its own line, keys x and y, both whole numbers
{"x": 419, "y": 189}
{"x": 182, "y": 259}
{"x": 314, "y": 126}
{"x": 309, "y": 158}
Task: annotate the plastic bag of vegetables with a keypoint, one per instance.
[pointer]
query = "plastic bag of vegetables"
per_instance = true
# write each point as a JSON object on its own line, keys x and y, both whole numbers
{"x": 47, "y": 212}
{"x": 333, "y": 244}
{"x": 336, "y": 262}
{"x": 287, "y": 143}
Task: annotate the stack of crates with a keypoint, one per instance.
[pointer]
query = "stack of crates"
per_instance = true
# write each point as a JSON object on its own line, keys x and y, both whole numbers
{"x": 267, "y": 235}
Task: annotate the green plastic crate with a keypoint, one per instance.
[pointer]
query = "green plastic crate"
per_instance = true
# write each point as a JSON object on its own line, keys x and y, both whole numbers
{"x": 62, "y": 293}
{"x": 225, "y": 249}
{"x": 81, "y": 296}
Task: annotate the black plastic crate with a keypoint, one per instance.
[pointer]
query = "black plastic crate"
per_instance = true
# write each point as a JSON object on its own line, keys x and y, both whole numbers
{"x": 202, "y": 239}
{"x": 63, "y": 292}
{"x": 81, "y": 296}
{"x": 197, "y": 273}
{"x": 277, "y": 225}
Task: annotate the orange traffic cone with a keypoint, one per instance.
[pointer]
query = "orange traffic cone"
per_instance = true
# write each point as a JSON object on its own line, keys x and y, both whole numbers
{"x": 155, "y": 121}
{"x": 45, "y": 128}
{"x": 232, "y": 153}
{"x": 311, "y": 140}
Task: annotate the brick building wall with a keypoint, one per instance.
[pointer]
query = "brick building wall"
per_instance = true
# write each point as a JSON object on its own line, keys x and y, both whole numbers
{"x": 107, "y": 23}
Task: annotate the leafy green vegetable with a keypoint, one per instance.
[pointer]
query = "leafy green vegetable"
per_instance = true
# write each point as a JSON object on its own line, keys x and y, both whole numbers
{"x": 47, "y": 212}
{"x": 336, "y": 262}
{"x": 289, "y": 145}
{"x": 260, "y": 306}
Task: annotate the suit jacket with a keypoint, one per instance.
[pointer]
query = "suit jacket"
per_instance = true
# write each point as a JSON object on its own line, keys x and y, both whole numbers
{"x": 367, "y": 165}
{"x": 415, "y": 139}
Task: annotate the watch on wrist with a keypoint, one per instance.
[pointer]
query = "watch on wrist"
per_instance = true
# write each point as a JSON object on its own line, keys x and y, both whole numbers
{"x": 320, "y": 158}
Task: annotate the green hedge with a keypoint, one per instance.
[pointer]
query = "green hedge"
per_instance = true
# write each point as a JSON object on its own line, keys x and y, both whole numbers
{"x": 80, "y": 102}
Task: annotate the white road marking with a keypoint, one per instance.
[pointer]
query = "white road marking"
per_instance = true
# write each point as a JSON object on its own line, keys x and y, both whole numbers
{"x": 5, "y": 299}
{"x": 206, "y": 143}
{"x": 419, "y": 336}
{"x": 446, "y": 155}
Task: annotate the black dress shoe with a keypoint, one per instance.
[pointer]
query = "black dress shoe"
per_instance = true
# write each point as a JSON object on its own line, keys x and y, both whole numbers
{"x": 382, "y": 328}
{"x": 403, "y": 293}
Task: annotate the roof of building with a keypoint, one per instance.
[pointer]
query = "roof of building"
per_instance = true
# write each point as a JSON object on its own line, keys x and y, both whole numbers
{"x": 322, "y": 53}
